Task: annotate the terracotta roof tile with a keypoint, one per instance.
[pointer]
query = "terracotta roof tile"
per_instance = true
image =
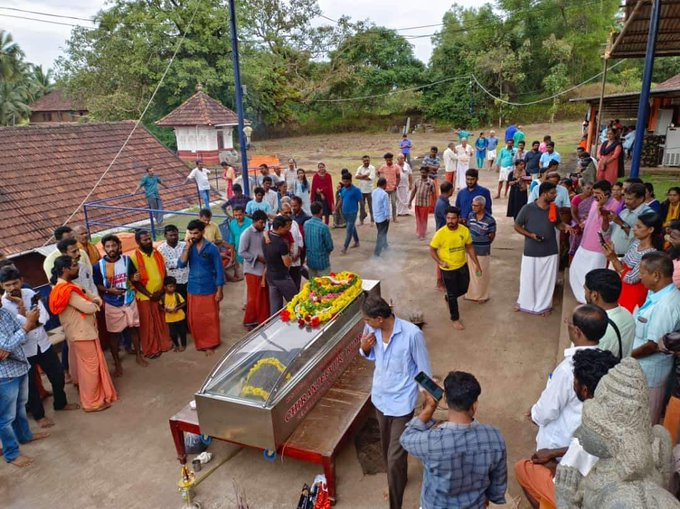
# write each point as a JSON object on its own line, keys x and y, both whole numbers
{"x": 47, "y": 170}
{"x": 199, "y": 109}
{"x": 56, "y": 101}
{"x": 671, "y": 83}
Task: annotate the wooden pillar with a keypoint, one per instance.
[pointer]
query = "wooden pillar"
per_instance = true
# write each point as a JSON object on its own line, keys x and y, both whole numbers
{"x": 592, "y": 127}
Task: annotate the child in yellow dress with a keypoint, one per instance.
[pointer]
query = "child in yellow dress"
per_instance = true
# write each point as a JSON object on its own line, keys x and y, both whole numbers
{"x": 174, "y": 305}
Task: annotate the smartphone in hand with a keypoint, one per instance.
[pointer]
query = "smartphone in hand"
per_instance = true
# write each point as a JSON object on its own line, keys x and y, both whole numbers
{"x": 35, "y": 300}
{"x": 429, "y": 385}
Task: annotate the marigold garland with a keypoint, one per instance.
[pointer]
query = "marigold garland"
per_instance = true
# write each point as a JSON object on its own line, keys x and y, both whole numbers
{"x": 322, "y": 298}
{"x": 259, "y": 392}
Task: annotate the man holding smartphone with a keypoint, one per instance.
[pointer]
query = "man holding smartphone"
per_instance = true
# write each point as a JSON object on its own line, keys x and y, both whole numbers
{"x": 465, "y": 462}
{"x": 398, "y": 349}
{"x": 590, "y": 255}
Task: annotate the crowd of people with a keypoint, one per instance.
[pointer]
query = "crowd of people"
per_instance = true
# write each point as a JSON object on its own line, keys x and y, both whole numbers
{"x": 621, "y": 244}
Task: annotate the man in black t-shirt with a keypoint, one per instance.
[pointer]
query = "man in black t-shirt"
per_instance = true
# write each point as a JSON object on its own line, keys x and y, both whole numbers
{"x": 537, "y": 222}
{"x": 277, "y": 260}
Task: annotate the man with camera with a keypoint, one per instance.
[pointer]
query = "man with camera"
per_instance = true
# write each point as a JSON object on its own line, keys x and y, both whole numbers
{"x": 14, "y": 367}
{"x": 464, "y": 460}
{"x": 37, "y": 347}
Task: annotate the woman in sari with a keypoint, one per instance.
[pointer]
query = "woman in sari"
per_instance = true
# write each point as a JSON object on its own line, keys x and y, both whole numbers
{"x": 633, "y": 292}
{"x": 670, "y": 209}
{"x": 301, "y": 190}
{"x": 610, "y": 158}
{"x": 580, "y": 206}
{"x": 322, "y": 191}
{"x": 480, "y": 150}
{"x": 673, "y": 249}
{"x": 76, "y": 309}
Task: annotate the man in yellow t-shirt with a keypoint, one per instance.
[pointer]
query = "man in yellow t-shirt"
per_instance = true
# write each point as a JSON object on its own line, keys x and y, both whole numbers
{"x": 450, "y": 248}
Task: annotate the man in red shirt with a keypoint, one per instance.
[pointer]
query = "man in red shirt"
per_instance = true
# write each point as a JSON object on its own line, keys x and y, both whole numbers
{"x": 392, "y": 174}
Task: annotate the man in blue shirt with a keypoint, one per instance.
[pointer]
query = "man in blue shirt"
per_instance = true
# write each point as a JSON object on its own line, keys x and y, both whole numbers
{"x": 204, "y": 291}
{"x": 510, "y": 132}
{"x": 491, "y": 144}
{"x": 549, "y": 155}
{"x": 465, "y": 196}
{"x": 349, "y": 200}
{"x": 398, "y": 349}
{"x": 149, "y": 182}
{"x": 318, "y": 243}
{"x": 464, "y": 460}
{"x": 14, "y": 366}
{"x": 532, "y": 159}
{"x": 381, "y": 214}
{"x": 406, "y": 146}
{"x": 237, "y": 226}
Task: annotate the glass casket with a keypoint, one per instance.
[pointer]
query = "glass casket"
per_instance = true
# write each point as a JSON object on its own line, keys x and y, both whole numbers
{"x": 266, "y": 383}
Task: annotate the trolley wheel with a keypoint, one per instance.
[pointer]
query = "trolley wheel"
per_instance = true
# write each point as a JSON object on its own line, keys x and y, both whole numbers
{"x": 269, "y": 455}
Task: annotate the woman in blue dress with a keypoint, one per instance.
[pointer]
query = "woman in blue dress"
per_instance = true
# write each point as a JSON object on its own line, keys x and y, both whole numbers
{"x": 480, "y": 150}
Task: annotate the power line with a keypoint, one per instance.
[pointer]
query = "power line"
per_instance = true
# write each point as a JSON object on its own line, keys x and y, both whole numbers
{"x": 391, "y": 92}
{"x": 477, "y": 82}
{"x": 46, "y": 14}
{"x": 44, "y": 21}
{"x": 499, "y": 99}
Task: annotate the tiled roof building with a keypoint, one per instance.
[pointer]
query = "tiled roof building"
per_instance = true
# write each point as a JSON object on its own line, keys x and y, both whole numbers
{"x": 47, "y": 171}
{"x": 56, "y": 107}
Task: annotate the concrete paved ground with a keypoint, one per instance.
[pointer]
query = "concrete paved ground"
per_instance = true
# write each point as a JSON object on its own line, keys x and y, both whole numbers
{"x": 125, "y": 457}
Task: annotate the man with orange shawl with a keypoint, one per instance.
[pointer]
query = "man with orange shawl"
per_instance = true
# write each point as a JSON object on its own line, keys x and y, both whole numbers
{"x": 206, "y": 277}
{"x": 76, "y": 309}
{"x": 153, "y": 331}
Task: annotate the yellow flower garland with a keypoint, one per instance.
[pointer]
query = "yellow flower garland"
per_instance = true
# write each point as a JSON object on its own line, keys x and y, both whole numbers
{"x": 249, "y": 390}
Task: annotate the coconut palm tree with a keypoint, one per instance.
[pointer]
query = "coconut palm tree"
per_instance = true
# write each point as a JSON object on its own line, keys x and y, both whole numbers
{"x": 11, "y": 57}
{"x": 43, "y": 81}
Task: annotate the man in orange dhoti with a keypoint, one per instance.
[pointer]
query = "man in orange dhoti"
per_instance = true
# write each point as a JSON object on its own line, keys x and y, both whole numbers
{"x": 153, "y": 331}
{"x": 76, "y": 309}
{"x": 204, "y": 291}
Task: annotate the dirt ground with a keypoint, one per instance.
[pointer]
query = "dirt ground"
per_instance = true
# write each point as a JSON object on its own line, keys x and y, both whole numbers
{"x": 125, "y": 457}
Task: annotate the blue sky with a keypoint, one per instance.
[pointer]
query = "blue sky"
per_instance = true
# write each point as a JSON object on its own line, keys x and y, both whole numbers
{"x": 44, "y": 42}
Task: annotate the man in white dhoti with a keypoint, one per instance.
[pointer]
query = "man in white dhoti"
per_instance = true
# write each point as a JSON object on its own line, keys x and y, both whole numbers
{"x": 404, "y": 187}
{"x": 538, "y": 222}
{"x": 590, "y": 254}
{"x": 464, "y": 153}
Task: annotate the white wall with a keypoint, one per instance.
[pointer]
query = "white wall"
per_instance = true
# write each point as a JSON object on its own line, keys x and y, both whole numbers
{"x": 228, "y": 133}
{"x": 196, "y": 138}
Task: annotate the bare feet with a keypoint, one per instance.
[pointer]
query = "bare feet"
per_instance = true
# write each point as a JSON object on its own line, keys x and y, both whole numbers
{"x": 546, "y": 314}
{"x": 386, "y": 493}
{"x": 458, "y": 325}
{"x": 118, "y": 372}
{"x": 68, "y": 379}
{"x": 22, "y": 461}
{"x": 356, "y": 244}
{"x": 140, "y": 360}
{"x": 39, "y": 435}
{"x": 181, "y": 349}
{"x": 516, "y": 308}
{"x": 70, "y": 406}
{"x": 343, "y": 251}
{"x": 45, "y": 422}
{"x": 98, "y": 409}
{"x": 209, "y": 353}
{"x": 497, "y": 197}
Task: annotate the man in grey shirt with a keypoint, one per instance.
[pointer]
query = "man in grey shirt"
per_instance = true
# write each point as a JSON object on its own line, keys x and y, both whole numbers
{"x": 537, "y": 222}
{"x": 621, "y": 226}
{"x": 250, "y": 249}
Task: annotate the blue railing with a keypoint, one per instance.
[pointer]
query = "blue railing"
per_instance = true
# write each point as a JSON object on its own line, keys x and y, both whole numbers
{"x": 124, "y": 212}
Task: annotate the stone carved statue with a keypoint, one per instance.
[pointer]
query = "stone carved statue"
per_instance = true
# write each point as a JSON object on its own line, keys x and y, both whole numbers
{"x": 635, "y": 458}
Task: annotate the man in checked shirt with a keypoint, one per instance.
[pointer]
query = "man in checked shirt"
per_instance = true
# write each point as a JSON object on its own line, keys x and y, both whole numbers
{"x": 464, "y": 460}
